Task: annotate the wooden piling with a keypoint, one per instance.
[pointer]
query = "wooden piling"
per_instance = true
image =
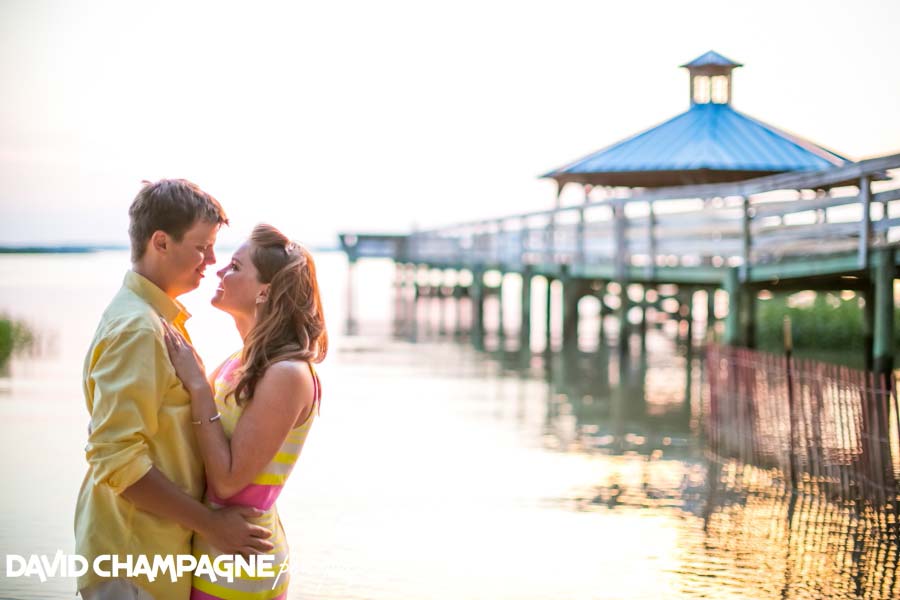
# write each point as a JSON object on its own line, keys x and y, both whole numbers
{"x": 351, "y": 309}
{"x": 414, "y": 304}
{"x": 441, "y": 302}
{"x": 689, "y": 305}
{"x": 501, "y": 333}
{"x": 477, "y": 298}
{"x": 571, "y": 295}
{"x": 548, "y": 318}
{"x": 883, "y": 308}
{"x": 732, "y": 285}
{"x": 525, "y": 315}
{"x": 624, "y": 324}
{"x": 397, "y": 286}
{"x": 601, "y": 332}
{"x": 868, "y": 326}
{"x": 458, "y": 293}
{"x": 747, "y": 312}
{"x": 643, "y": 325}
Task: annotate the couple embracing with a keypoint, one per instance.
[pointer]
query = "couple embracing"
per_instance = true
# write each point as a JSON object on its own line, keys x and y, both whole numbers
{"x": 179, "y": 463}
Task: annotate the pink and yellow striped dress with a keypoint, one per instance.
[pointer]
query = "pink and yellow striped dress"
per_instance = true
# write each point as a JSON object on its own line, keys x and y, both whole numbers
{"x": 260, "y": 494}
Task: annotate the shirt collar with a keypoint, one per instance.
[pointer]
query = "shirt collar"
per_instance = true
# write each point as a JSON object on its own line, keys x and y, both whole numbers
{"x": 171, "y": 310}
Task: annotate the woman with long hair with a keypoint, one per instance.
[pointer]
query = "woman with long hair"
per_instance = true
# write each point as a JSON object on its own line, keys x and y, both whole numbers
{"x": 253, "y": 414}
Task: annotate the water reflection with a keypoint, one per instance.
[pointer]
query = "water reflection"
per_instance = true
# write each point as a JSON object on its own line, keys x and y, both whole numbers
{"x": 440, "y": 472}
{"x": 742, "y": 533}
{"x": 790, "y": 545}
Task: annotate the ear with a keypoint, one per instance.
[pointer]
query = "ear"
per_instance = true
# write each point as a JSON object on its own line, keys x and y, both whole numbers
{"x": 263, "y": 295}
{"x": 159, "y": 241}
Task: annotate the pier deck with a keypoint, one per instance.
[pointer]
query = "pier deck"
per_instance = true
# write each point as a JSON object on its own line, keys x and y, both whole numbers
{"x": 834, "y": 229}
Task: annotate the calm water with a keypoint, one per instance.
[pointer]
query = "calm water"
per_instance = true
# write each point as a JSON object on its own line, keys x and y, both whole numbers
{"x": 439, "y": 472}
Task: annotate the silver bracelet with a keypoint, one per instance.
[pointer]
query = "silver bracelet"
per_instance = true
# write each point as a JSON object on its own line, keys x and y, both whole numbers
{"x": 211, "y": 419}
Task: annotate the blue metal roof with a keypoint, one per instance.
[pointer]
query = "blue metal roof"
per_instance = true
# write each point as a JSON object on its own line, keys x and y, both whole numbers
{"x": 708, "y": 143}
{"x": 711, "y": 59}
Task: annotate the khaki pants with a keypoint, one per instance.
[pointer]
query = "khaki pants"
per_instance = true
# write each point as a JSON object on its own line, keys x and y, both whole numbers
{"x": 114, "y": 589}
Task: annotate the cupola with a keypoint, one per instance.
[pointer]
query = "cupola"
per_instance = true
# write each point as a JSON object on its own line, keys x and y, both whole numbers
{"x": 710, "y": 76}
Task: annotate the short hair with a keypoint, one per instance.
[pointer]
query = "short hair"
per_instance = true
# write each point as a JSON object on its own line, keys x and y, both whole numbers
{"x": 172, "y": 206}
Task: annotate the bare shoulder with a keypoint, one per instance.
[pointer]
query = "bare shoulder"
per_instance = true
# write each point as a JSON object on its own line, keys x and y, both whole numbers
{"x": 287, "y": 375}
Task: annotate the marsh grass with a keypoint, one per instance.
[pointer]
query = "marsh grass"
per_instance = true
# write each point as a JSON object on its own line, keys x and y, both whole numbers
{"x": 14, "y": 336}
{"x": 828, "y": 328}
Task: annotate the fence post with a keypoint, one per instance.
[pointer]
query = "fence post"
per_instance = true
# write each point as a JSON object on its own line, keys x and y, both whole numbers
{"x": 789, "y": 362}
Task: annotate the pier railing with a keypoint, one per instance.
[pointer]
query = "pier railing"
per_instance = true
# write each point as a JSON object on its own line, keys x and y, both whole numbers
{"x": 850, "y": 209}
{"x": 823, "y": 428}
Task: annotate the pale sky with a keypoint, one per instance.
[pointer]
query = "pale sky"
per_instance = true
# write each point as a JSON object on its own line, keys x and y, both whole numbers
{"x": 327, "y": 116}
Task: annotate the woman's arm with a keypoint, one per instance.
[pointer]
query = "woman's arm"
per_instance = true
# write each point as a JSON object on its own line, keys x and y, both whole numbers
{"x": 284, "y": 394}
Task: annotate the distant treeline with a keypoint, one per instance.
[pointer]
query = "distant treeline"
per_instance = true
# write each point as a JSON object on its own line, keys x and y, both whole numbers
{"x": 57, "y": 249}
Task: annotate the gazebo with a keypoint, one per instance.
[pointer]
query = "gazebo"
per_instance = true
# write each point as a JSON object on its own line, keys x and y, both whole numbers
{"x": 711, "y": 142}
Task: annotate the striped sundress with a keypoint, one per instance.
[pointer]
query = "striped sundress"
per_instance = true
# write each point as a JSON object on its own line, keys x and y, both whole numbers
{"x": 260, "y": 494}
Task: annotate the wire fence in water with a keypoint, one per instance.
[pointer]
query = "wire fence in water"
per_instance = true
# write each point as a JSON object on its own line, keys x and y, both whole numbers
{"x": 824, "y": 429}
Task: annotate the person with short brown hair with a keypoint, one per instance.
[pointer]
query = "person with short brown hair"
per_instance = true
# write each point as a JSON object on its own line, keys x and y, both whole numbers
{"x": 172, "y": 206}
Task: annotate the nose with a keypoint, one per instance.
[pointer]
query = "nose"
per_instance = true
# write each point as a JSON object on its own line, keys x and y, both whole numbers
{"x": 221, "y": 272}
{"x": 210, "y": 258}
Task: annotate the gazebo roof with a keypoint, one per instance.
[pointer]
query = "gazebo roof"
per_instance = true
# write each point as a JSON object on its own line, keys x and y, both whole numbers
{"x": 709, "y": 143}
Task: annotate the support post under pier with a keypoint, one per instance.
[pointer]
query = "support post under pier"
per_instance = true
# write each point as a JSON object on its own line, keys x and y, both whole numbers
{"x": 732, "y": 285}
{"x": 501, "y": 333}
{"x": 624, "y": 323}
{"x": 710, "y": 310}
{"x": 351, "y": 304}
{"x": 477, "y": 298}
{"x": 572, "y": 290}
{"x": 883, "y": 334}
{"x": 548, "y": 318}
{"x": 525, "y": 320}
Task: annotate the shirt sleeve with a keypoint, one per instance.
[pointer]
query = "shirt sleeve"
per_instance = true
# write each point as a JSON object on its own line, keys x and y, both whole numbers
{"x": 128, "y": 375}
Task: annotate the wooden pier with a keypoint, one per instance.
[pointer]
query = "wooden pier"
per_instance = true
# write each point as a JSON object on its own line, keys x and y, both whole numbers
{"x": 836, "y": 229}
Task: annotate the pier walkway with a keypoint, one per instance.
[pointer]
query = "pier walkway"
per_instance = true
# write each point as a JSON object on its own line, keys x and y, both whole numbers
{"x": 835, "y": 229}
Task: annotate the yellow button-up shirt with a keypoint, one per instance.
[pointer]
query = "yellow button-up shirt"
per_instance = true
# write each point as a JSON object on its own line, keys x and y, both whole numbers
{"x": 140, "y": 417}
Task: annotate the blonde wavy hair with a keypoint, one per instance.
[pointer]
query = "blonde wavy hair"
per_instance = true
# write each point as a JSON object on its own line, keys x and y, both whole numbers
{"x": 290, "y": 324}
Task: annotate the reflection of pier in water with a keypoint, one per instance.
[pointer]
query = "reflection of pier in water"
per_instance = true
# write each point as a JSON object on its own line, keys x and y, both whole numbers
{"x": 637, "y": 399}
{"x": 754, "y": 538}
{"x": 745, "y": 534}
